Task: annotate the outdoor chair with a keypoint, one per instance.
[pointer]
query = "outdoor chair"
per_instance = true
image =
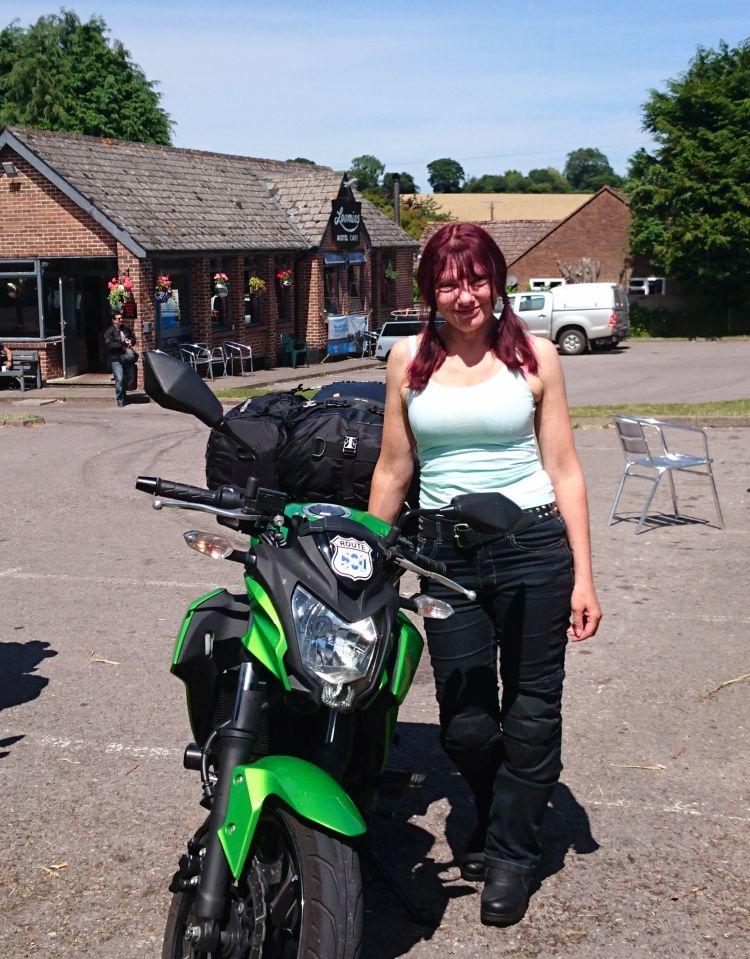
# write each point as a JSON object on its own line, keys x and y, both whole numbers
{"x": 295, "y": 347}
{"x": 200, "y": 355}
{"x": 648, "y": 456}
{"x": 235, "y": 353}
{"x": 365, "y": 342}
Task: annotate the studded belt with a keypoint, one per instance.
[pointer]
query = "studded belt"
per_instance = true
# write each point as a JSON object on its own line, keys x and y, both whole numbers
{"x": 463, "y": 536}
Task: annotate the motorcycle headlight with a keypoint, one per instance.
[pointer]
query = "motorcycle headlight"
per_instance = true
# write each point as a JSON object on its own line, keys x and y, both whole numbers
{"x": 335, "y": 651}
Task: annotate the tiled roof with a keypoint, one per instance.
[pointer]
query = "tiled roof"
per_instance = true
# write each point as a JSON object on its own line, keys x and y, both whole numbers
{"x": 169, "y": 199}
{"x": 513, "y": 237}
{"x": 478, "y": 207}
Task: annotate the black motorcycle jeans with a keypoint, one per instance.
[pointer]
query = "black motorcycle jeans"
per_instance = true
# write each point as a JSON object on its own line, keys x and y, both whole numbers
{"x": 507, "y": 746}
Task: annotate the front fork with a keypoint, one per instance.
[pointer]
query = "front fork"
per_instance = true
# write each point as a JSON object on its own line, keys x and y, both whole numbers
{"x": 236, "y": 741}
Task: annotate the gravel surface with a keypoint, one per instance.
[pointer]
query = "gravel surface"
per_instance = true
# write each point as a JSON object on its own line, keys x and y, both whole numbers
{"x": 646, "y": 847}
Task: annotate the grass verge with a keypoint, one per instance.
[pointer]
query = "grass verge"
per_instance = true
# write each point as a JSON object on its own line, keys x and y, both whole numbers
{"x": 665, "y": 410}
{"x": 20, "y": 419}
{"x": 728, "y": 408}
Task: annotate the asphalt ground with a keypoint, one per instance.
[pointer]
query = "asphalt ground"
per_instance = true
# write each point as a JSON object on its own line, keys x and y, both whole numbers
{"x": 639, "y": 371}
{"x": 646, "y": 846}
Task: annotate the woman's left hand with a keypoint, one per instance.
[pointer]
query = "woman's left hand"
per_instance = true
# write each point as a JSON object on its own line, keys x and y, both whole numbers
{"x": 586, "y": 612}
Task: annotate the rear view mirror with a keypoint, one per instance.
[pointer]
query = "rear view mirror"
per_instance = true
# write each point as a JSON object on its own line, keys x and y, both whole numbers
{"x": 174, "y": 385}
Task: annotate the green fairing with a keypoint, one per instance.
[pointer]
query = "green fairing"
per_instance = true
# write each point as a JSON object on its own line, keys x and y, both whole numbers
{"x": 265, "y": 639}
{"x": 186, "y": 623}
{"x": 410, "y": 645}
{"x": 377, "y": 526}
{"x": 298, "y": 784}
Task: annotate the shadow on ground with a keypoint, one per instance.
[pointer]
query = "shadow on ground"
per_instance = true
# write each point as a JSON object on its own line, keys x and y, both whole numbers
{"x": 404, "y": 848}
{"x": 19, "y": 682}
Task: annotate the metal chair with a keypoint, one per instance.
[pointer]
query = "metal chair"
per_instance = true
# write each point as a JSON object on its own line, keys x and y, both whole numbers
{"x": 653, "y": 464}
{"x": 238, "y": 353}
{"x": 200, "y": 354}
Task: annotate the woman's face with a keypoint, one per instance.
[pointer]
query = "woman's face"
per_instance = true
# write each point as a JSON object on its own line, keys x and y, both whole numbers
{"x": 466, "y": 304}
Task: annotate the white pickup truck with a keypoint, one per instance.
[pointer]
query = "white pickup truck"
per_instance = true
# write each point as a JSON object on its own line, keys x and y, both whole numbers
{"x": 575, "y": 315}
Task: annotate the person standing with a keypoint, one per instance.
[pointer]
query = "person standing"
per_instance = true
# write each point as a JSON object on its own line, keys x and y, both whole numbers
{"x": 483, "y": 404}
{"x": 119, "y": 341}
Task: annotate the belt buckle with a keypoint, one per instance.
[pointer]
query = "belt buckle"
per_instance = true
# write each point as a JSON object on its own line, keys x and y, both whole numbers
{"x": 457, "y": 530}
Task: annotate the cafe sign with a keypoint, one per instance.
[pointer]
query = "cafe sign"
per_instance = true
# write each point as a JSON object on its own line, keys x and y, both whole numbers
{"x": 346, "y": 221}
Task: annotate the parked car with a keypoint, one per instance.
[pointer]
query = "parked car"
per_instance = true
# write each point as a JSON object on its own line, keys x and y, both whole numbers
{"x": 647, "y": 286}
{"x": 575, "y": 315}
{"x": 403, "y": 323}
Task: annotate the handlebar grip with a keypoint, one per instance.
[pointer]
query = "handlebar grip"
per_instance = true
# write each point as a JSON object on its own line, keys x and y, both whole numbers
{"x": 433, "y": 565}
{"x": 225, "y": 497}
{"x": 181, "y": 491}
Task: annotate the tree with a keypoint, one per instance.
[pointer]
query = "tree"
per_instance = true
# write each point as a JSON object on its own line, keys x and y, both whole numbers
{"x": 547, "y": 180}
{"x": 366, "y": 171}
{"x": 407, "y": 184}
{"x": 587, "y": 170}
{"x": 302, "y": 160}
{"x": 691, "y": 196}
{"x": 445, "y": 175}
{"x": 415, "y": 213}
{"x": 488, "y": 183}
{"x": 62, "y": 74}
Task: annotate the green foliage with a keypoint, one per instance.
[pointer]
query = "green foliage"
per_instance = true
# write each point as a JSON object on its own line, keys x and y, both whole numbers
{"x": 366, "y": 171}
{"x": 488, "y": 183}
{"x": 544, "y": 180}
{"x": 547, "y": 180}
{"x": 691, "y": 197}
{"x": 63, "y": 74}
{"x": 407, "y": 184}
{"x": 588, "y": 170}
{"x": 713, "y": 321}
{"x": 445, "y": 175}
{"x": 415, "y": 214}
{"x": 301, "y": 160}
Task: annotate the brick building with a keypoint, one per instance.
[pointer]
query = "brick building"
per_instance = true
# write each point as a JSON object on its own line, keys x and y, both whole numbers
{"x": 76, "y": 211}
{"x": 597, "y": 228}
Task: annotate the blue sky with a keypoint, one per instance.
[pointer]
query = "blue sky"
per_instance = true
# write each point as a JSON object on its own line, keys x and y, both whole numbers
{"x": 493, "y": 85}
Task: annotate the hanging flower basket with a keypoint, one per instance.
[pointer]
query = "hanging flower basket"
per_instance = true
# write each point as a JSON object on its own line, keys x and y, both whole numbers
{"x": 256, "y": 286}
{"x": 120, "y": 289}
{"x": 390, "y": 273}
{"x": 284, "y": 277}
{"x": 221, "y": 284}
{"x": 162, "y": 288}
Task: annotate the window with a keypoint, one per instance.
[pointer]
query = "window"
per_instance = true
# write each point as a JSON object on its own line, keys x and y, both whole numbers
{"x": 532, "y": 302}
{"x": 332, "y": 290}
{"x": 409, "y": 328}
{"x": 355, "y": 281}
{"x": 175, "y": 320}
{"x": 19, "y": 306}
{"x": 253, "y": 311}
{"x": 284, "y": 290}
{"x": 221, "y": 296}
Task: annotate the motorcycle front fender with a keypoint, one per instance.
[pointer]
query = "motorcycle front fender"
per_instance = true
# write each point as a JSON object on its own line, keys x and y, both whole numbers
{"x": 303, "y": 787}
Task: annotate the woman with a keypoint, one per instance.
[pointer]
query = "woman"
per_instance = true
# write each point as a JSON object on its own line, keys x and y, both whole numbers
{"x": 483, "y": 403}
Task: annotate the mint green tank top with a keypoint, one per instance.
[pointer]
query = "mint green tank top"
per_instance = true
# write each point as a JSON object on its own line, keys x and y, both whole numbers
{"x": 477, "y": 439}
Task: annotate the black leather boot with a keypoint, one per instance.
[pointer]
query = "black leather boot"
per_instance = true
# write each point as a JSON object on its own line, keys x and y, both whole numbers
{"x": 471, "y": 860}
{"x": 505, "y": 897}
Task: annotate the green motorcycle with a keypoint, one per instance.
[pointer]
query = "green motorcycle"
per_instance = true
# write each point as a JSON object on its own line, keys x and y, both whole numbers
{"x": 293, "y": 689}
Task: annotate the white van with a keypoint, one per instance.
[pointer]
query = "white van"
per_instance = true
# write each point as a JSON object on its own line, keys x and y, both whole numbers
{"x": 575, "y": 315}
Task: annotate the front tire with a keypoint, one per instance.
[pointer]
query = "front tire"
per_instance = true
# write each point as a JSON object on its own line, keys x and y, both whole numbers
{"x": 299, "y": 897}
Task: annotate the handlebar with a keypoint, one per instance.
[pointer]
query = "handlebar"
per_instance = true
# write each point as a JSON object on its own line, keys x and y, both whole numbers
{"x": 419, "y": 559}
{"x": 225, "y": 497}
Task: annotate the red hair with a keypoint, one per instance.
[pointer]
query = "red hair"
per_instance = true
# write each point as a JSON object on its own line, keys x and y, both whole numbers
{"x": 467, "y": 252}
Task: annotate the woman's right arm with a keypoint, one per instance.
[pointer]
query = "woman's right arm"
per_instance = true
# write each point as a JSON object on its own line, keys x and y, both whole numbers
{"x": 395, "y": 466}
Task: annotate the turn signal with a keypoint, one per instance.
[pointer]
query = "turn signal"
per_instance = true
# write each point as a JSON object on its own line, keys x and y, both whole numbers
{"x": 432, "y": 608}
{"x": 217, "y": 547}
